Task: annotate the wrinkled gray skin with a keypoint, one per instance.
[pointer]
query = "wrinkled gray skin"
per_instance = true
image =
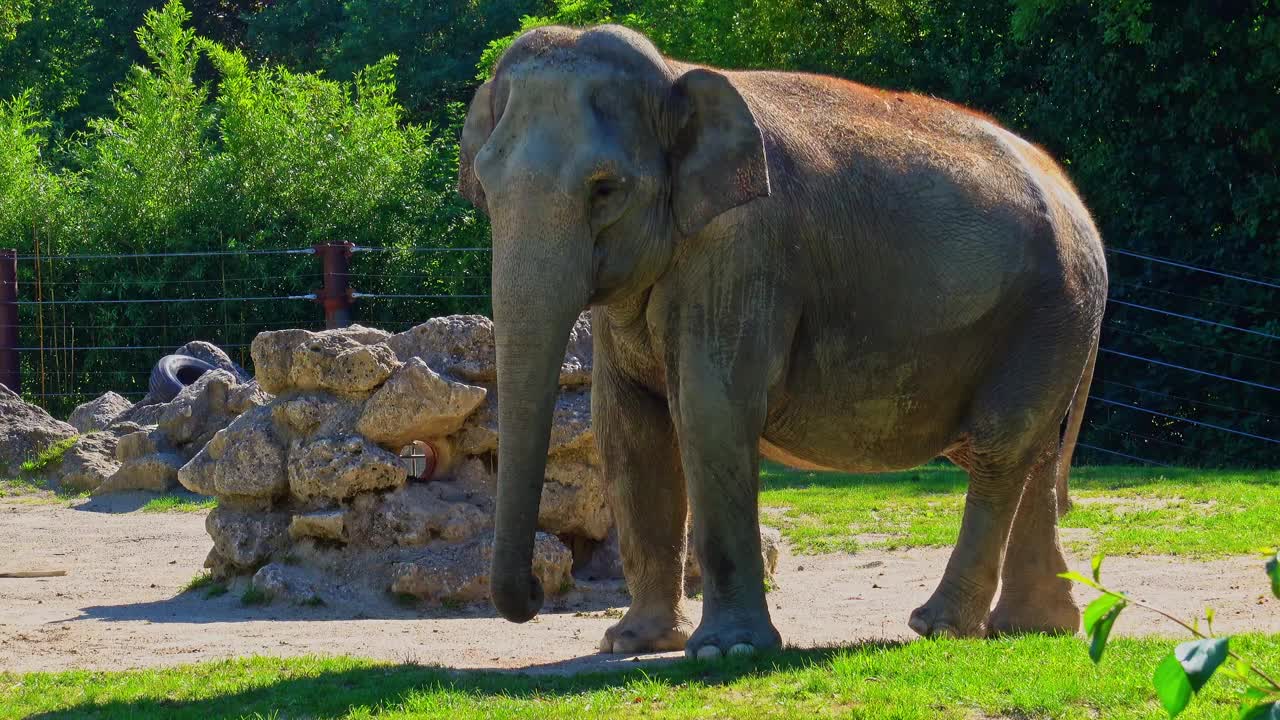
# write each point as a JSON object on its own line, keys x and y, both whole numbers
{"x": 778, "y": 265}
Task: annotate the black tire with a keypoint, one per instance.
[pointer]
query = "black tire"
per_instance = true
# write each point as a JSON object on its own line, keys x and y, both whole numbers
{"x": 174, "y": 372}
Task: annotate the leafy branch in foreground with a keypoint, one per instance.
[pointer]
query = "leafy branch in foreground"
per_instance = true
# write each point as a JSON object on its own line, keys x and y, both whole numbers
{"x": 1188, "y": 668}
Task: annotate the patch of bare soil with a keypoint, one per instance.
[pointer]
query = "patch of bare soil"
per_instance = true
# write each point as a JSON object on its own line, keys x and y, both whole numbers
{"x": 121, "y": 604}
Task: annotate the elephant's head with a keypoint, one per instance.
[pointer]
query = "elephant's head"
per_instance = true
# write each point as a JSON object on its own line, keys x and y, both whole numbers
{"x": 594, "y": 158}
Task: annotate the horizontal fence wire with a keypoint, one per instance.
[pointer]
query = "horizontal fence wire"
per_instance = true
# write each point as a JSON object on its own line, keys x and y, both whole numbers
{"x": 1193, "y": 401}
{"x": 1117, "y": 453}
{"x": 1242, "y": 277}
{"x": 1147, "y": 288}
{"x": 84, "y": 348}
{"x": 152, "y": 301}
{"x": 1160, "y": 441}
{"x": 1113, "y": 326}
{"x": 202, "y": 253}
{"x": 362, "y": 249}
{"x": 1157, "y": 413}
{"x": 1193, "y": 318}
{"x": 396, "y": 296}
{"x": 1205, "y": 373}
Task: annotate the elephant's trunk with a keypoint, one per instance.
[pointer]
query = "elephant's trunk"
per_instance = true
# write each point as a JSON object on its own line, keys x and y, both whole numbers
{"x": 538, "y": 291}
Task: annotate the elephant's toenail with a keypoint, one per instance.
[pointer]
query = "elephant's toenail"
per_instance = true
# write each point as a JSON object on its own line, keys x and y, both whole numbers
{"x": 742, "y": 649}
{"x": 709, "y": 652}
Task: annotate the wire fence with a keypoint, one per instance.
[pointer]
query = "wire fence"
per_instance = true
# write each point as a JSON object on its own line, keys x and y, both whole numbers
{"x": 89, "y": 323}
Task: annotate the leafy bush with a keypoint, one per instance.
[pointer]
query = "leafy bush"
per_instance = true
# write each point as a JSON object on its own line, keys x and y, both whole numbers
{"x": 1185, "y": 671}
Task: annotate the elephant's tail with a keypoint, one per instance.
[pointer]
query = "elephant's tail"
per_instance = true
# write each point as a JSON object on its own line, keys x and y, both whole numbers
{"x": 1075, "y": 416}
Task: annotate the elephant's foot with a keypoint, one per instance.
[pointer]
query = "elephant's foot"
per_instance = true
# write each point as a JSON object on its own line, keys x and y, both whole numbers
{"x": 1053, "y": 612}
{"x": 942, "y": 616}
{"x": 732, "y": 635}
{"x": 640, "y": 631}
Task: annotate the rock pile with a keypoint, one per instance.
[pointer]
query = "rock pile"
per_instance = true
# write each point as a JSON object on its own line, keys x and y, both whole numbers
{"x": 25, "y": 430}
{"x": 124, "y": 446}
{"x": 375, "y": 459}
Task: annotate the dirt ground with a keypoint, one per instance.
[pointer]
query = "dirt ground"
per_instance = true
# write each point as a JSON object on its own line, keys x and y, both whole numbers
{"x": 120, "y": 604}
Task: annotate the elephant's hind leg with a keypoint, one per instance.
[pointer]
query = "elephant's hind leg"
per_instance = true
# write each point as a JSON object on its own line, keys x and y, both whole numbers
{"x": 1032, "y": 596}
{"x": 647, "y": 495}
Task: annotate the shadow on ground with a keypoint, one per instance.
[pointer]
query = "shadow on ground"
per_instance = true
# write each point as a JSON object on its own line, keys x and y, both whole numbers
{"x": 196, "y": 606}
{"x": 330, "y": 694}
{"x": 131, "y": 500}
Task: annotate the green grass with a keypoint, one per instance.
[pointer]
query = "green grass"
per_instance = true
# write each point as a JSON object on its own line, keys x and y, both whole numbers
{"x": 1029, "y": 677}
{"x": 180, "y": 503}
{"x": 1126, "y": 510}
{"x": 204, "y": 581}
{"x": 254, "y": 596}
{"x": 50, "y": 456}
{"x": 20, "y": 487}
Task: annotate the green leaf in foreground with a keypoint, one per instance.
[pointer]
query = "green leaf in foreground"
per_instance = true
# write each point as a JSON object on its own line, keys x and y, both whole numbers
{"x": 1201, "y": 658}
{"x": 1074, "y": 576}
{"x": 1273, "y": 571}
{"x": 1268, "y": 711}
{"x": 1172, "y": 685}
{"x": 1099, "y": 617}
{"x": 1096, "y": 565}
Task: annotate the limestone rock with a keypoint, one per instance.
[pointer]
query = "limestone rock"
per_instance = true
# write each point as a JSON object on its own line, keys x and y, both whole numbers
{"x": 417, "y": 404}
{"x": 137, "y": 444}
{"x": 571, "y": 426}
{"x": 243, "y": 540}
{"x": 770, "y": 545}
{"x": 281, "y": 583}
{"x": 25, "y": 430}
{"x": 329, "y": 360}
{"x": 463, "y": 346}
{"x": 460, "y": 573}
{"x": 339, "y": 467}
{"x": 89, "y": 462}
{"x": 479, "y": 434}
{"x": 460, "y": 345}
{"x": 198, "y": 411}
{"x": 98, "y": 414}
{"x": 323, "y": 525}
{"x": 576, "y": 368}
{"x": 213, "y": 355}
{"x": 245, "y": 459}
{"x": 157, "y": 472}
{"x": 573, "y": 501}
{"x": 414, "y": 516}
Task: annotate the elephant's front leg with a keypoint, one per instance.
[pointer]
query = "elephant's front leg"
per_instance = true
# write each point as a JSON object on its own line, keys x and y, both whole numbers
{"x": 647, "y": 494}
{"x": 720, "y": 417}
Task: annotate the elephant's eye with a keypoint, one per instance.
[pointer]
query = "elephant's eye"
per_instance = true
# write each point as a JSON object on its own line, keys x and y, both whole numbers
{"x": 603, "y": 189}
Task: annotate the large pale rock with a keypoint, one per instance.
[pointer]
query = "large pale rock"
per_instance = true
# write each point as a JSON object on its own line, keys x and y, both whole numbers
{"x": 770, "y": 545}
{"x": 324, "y": 525}
{"x": 340, "y": 467}
{"x": 413, "y": 516}
{"x": 280, "y": 583}
{"x": 303, "y": 415}
{"x": 463, "y": 346}
{"x": 157, "y": 472}
{"x": 330, "y": 360}
{"x": 417, "y": 404}
{"x": 98, "y": 414}
{"x": 25, "y": 430}
{"x": 213, "y": 355}
{"x": 573, "y": 501}
{"x": 460, "y": 573}
{"x": 460, "y": 345}
{"x": 578, "y": 356}
{"x": 89, "y": 462}
{"x": 571, "y": 432}
{"x": 205, "y": 407}
{"x": 479, "y": 434}
{"x": 138, "y": 444}
{"x": 243, "y": 540}
{"x": 244, "y": 460}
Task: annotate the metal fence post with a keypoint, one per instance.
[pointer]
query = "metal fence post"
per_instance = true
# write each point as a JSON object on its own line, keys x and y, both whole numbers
{"x": 10, "y": 370}
{"x": 335, "y": 296}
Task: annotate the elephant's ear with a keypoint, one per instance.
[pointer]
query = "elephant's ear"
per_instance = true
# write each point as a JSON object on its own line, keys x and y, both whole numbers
{"x": 475, "y": 132}
{"x": 718, "y": 160}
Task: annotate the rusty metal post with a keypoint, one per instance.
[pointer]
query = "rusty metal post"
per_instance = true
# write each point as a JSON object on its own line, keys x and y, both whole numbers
{"x": 10, "y": 371}
{"x": 335, "y": 296}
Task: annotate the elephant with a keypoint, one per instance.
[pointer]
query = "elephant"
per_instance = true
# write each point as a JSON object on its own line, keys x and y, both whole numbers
{"x": 783, "y": 266}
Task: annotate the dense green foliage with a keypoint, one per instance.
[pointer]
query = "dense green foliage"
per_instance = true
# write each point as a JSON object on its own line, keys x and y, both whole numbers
{"x": 1166, "y": 116}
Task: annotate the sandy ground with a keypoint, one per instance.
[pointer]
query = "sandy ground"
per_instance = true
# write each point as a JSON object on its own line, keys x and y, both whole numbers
{"x": 120, "y": 605}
